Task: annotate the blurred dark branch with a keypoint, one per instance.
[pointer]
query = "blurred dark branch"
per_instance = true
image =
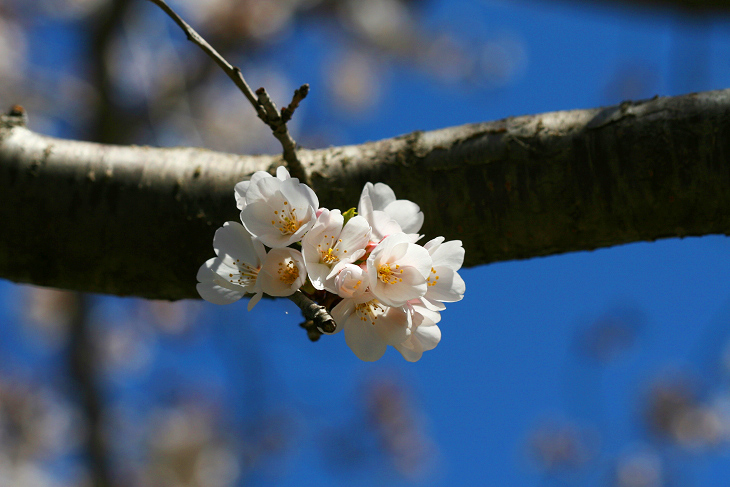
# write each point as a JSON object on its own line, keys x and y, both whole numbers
{"x": 109, "y": 123}
{"x": 261, "y": 102}
{"x": 83, "y": 367}
{"x": 111, "y": 219}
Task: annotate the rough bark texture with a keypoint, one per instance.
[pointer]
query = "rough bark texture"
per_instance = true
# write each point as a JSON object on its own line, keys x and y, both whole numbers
{"x": 140, "y": 220}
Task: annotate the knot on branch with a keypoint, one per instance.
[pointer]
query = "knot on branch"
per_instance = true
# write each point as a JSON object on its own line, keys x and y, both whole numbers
{"x": 16, "y": 117}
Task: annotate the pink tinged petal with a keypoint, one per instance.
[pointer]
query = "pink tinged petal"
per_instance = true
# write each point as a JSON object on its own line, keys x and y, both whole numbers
{"x": 363, "y": 340}
{"x": 380, "y": 194}
{"x": 408, "y": 215}
{"x": 449, "y": 254}
{"x": 445, "y": 285}
{"x": 233, "y": 243}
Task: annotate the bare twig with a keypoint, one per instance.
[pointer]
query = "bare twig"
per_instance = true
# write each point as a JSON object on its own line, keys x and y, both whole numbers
{"x": 299, "y": 95}
{"x": 321, "y": 319}
{"x": 281, "y": 132}
{"x": 233, "y": 72}
{"x": 261, "y": 102}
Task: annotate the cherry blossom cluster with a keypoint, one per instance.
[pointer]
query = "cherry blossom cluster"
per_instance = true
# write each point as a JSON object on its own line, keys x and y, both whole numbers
{"x": 382, "y": 287}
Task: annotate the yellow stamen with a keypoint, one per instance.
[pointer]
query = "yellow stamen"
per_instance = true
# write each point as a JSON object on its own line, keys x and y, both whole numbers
{"x": 388, "y": 275}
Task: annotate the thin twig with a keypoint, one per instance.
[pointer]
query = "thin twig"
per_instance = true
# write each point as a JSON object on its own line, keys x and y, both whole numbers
{"x": 299, "y": 95}
{"x": 233, "y": 72}
{"x": 319, "y": 316}
{"x": 265, "y": 108}
{"x": 281, "y": 132}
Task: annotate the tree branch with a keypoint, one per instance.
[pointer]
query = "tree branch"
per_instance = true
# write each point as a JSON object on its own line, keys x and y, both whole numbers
{"x": 261, "y": 102}
{"x": 131, "y": 220}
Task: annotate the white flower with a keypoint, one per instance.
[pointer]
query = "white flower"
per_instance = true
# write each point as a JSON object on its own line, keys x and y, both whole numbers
{"x": 445, "y": 285}
{"x": 424, "y": 335}
{"x": 370, "y": 326}
{"x": 277, "y": 210}
{"x": 241, "y": 188}
{"x": 282, "y": 272}
{"x": 398, "y": 269}
{"x": 328, "y": 246}
{"x": 351, "y": 281}
{"x": 226, "y": 278}
{"x": 387, "y": 215}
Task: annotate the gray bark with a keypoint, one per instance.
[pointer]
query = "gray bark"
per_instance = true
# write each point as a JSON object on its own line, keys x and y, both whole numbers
{"x": 139, "y": 221}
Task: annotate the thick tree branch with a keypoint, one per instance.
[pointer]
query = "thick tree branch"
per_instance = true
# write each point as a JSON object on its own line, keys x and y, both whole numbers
{"x": 139, "y": 220}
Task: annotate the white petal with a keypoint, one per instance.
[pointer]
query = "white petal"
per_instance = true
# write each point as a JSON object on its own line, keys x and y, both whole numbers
{"x": 418, "y": 258}
{"x": 318, "y": 274}
{"x": 449, "y": 254}
{"x": 433, "y": 244}
{"x": 382, "y": 225}
{"x": 408, "y": 215}
{"x": 263, "y": 187}
{"x": 342, "y": 312}
{"x": 365, "y": 205}
{"x": 394, "y": 326}
{"x": 350, "y": 281}
{"x": 409, "y": 354}
{"x": 283, "y": 272}
{"x": 218, "y": 294}
{"x": 428, "y": 336}
{"x": 380, "y": 194}
{"x": 355, "y": 235}
{"x": 363, "y": 340}
{"x": 214, "y": 288}
{"x": 233, "y": 242}
{"x": 257, "y": 218}
{"x": 239, "y": 191}
{"x": 299, "y": 195}
{"x": 282, "y": 173}
{"x": 254, "y": 299}
{"x": 398, "y": 294}
{"x": 449, "y": 287}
